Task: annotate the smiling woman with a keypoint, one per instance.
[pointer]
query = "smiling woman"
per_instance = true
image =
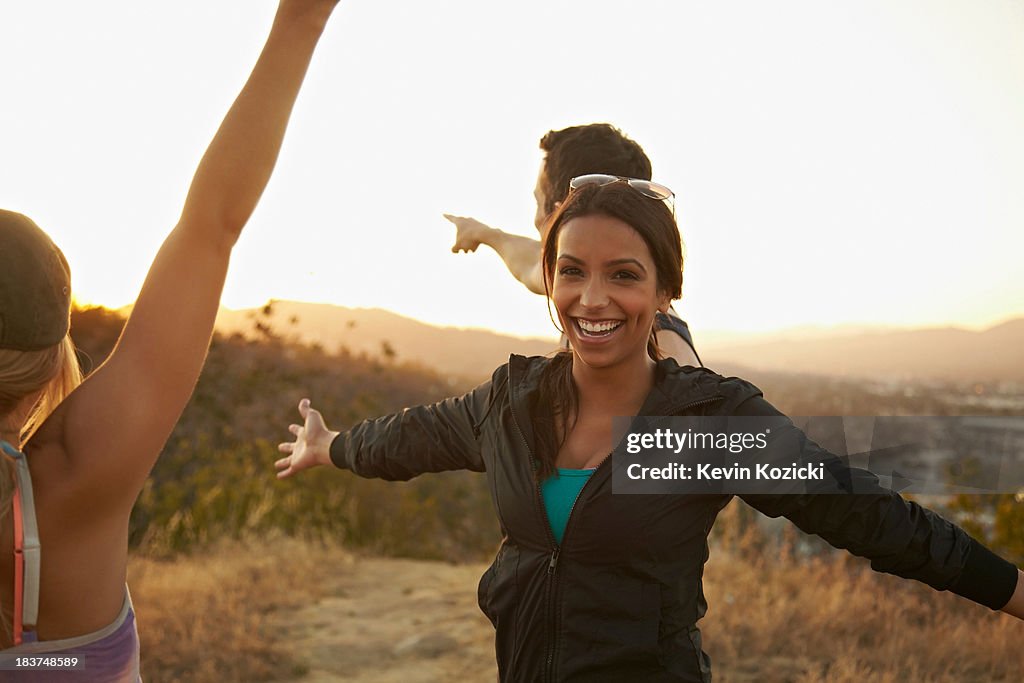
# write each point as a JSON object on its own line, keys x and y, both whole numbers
{"x": 591, "y": 586}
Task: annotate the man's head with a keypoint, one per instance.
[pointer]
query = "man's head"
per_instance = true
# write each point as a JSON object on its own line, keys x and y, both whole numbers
{"x": 578, "y": 150}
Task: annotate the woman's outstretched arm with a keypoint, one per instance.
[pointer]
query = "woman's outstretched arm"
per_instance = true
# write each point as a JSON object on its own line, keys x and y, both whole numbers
{"x": 113, "y": 427}
{"x": 441, "y": 437}
{"x": 897, "y": 535}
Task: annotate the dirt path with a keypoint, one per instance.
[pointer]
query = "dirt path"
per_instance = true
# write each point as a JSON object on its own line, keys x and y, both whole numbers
{"x": 393, "y": 621}
{"x": 386, "y": 620}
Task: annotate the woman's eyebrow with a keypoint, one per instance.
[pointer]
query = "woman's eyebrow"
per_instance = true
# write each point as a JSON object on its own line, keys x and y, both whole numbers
{"x": 624, "y": 261}
{"x": 613, "y": 262}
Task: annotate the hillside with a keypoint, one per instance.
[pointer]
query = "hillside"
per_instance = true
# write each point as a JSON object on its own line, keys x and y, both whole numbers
{"x": 215, "y": 476}
{"x": 358, "y": 618}
{"x": 950, "y": 354}
{"x": 945, "y": 354}
{"x": 451, "y": 351}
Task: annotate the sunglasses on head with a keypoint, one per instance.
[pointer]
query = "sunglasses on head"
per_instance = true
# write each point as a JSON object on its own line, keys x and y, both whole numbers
{"x": 645, "y": 187}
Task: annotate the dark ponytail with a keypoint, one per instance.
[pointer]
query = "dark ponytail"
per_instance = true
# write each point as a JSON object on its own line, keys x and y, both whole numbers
{"x": 554, "y": 412}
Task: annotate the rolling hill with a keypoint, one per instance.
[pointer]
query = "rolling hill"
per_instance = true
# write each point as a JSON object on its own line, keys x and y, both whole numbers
{"x": 466, "y": 353}
{"x": 948, "y": 353}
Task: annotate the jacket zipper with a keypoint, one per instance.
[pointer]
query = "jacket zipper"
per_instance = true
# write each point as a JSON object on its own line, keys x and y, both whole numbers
{"x": 549, "y": 588}
{"x": 553, "y": 564}
{"x": 553, "y": 561}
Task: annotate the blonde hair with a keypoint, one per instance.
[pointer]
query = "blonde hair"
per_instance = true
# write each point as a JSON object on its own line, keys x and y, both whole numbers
{"x": 53, "y": 371}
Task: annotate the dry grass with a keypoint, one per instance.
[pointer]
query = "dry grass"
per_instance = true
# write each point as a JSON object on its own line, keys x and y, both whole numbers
{"x": 780, "y": 617}
{"x": 203, "y": 618}
{"x": 773, "y": 617}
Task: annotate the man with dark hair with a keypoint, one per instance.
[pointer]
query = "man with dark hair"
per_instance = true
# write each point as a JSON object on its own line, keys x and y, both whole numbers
{"x": 597, "y": 146}
{"x": 571, "y": 152}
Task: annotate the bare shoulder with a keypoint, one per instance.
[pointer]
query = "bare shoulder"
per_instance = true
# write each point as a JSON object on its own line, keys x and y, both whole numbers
{"x": 46, "y": 454}
{"x": 84, "y": 543}
{"x": 61, "y": 482}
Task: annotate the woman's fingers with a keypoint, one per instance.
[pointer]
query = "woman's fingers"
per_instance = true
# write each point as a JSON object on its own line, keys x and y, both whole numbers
{"x": 300, "y": 448}
{"x": 284, "y": 467}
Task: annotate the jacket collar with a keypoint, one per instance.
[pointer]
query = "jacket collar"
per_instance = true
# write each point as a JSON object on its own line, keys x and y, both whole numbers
{"x": 674, "y": 389}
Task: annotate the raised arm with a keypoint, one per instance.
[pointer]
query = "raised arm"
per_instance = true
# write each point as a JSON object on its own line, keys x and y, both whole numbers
{"x": 114, "y": 426}
{"x": 520, "y": 254}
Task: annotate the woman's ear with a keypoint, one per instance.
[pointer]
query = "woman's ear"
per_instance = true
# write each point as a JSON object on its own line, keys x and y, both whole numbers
{"x": 664, "y": 302}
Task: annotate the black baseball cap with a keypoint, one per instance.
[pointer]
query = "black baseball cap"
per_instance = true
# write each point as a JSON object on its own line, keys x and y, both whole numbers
{"x": 35, "y": 286}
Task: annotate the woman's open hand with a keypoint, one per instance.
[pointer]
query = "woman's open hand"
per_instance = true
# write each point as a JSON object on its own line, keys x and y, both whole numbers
{"x": 312, "y": 445}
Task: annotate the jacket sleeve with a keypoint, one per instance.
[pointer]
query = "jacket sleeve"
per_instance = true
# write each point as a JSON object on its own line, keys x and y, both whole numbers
{"x": 898, "y": 536}
{"x": 431, "y": 438}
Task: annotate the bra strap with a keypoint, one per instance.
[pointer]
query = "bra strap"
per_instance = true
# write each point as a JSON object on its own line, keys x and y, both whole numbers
{"x": 27, "y": 550}
{"x": 19, "y": 569}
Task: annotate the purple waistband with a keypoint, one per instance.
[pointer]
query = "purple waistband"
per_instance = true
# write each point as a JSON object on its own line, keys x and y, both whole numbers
{"x": 114, "y": 658}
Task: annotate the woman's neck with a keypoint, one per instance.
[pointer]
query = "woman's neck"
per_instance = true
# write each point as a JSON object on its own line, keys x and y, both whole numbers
{"x": 8, "y": 431}
{"x": 620, "y": 389}
{"x": 12, "y": 424}
{"x": 10, "y": 437}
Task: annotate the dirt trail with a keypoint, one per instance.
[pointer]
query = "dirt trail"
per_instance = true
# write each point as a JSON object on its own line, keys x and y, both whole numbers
{"x": 385, "y": 620}
{"x": 393, "y": 621}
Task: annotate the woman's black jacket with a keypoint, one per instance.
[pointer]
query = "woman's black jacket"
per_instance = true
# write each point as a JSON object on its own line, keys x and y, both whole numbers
{"x": 621, "y": 598}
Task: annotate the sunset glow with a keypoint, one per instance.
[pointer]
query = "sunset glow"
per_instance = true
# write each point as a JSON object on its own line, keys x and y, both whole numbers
{"x": 833, "y": 164}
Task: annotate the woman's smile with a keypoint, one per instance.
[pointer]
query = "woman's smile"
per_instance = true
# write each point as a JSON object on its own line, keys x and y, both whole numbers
{"x": 596, "y": 329}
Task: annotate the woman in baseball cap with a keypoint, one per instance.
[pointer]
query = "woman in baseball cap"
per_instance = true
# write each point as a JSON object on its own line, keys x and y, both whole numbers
{"x": 76, "y": 454}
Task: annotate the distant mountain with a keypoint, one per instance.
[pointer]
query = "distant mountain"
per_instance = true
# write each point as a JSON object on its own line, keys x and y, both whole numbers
{"x": 948, "y": 353}
{"x": 728, "y": 339}
{"x": 458, "y": 352}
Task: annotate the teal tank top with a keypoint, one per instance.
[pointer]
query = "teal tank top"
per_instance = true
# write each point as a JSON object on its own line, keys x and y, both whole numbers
{"x": 559, "y": 493}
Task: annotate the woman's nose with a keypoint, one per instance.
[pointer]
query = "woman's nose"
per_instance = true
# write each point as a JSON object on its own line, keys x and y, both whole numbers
{"x": 594, "y": 294}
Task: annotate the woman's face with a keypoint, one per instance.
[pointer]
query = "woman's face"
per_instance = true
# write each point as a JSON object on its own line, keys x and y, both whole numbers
{"x": 605, "y": 290}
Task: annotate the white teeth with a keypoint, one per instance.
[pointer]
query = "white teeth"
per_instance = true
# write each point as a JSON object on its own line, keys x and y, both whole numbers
{"x": 598, "y": 328}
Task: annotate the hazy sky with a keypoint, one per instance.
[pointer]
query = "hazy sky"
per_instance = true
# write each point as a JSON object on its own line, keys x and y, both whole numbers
{"x": 858, "y": 162}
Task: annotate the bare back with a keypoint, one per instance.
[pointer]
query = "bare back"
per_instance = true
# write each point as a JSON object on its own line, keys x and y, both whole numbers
{"x": 92, "y": 456}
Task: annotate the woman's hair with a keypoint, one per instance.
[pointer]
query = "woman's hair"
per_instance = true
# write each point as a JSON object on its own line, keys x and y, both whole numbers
{"x": 55, "y": 372}
{"x": 554, "y": 414}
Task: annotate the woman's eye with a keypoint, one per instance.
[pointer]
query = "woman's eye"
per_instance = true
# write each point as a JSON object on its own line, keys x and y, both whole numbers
{"x": 626, "y": 275}
{"x": 569, "y": 271}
